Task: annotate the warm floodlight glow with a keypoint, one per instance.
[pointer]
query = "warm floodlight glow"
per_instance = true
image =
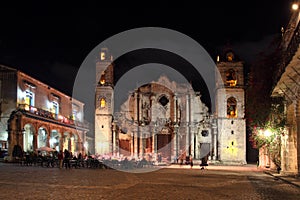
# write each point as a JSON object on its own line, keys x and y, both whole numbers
{"x": 267, "y": 132}
{"x": 295, "y": 6}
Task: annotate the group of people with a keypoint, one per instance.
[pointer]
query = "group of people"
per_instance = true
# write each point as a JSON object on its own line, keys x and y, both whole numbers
{"x": 189, "y": 161}
{"x": 65, "y": 157}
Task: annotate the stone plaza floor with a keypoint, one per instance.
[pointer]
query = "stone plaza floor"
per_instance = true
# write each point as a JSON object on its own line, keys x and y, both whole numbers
{"x": 172, "y": 182}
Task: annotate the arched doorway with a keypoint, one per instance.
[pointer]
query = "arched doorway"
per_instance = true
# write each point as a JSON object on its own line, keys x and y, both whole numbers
{"x": 42, "y": 138}
{"x": 66, "y": 141}
{"x": 28, "y": 138}
{"x": 55, "y": 140}
{"x": 124, "y": 144}
{"x": 164, "y": 144}
{"x": 74, "y": 144}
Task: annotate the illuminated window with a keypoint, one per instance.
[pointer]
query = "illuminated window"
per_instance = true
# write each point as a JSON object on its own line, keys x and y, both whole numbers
{"x": 102, "y": 103}
{"x": 76, "y": 112}
{"x": 55, "y": 107}
{"x": 231, "y": 107}
{"x": 29, "y": 99}
{"x": 102, "y": 55}
{"x": 231, "y": 78}
{"x": 74, "y": 115}
{"x": 102, "y": 79}
{"x": 230, "y": 56}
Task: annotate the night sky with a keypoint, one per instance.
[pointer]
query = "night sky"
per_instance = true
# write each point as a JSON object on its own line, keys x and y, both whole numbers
{"x": 49, "y": 42}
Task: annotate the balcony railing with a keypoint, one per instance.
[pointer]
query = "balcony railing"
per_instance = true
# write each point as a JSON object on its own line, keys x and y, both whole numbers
{"x": 49, "y": 115}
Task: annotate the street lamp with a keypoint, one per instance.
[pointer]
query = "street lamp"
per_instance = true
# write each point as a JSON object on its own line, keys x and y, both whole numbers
{"x": 295, "y": 6}
{"x": 266, "y": 134}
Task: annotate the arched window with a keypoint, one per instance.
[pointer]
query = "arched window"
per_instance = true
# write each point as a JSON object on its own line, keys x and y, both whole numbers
{"x": 231, "y": 107}
{"x": 231, "y": 78}
{"x": 102, "y": 79}
{"x": 102, "y": 103}
{"x": 230, "y": 56}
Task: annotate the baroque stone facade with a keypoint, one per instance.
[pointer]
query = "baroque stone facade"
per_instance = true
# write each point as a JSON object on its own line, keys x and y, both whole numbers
{"x": 169, "y": 119}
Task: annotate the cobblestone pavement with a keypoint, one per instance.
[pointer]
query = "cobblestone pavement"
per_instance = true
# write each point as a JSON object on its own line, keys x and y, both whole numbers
{"x": 32, "y": 182}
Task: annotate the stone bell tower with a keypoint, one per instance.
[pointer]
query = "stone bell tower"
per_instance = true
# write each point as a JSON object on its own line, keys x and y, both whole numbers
{"x": 230, "y": 109}
{"x": 104, "y": 102}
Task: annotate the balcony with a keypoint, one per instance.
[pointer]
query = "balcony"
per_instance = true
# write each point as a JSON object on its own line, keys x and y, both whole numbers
{"x": 40, "y": 113}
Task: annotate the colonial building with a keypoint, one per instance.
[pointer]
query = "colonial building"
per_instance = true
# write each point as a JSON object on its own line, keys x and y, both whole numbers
{"x": 286, "y": 85}
{"x": 35, "y": 115}
{"x": 169, "y": 119}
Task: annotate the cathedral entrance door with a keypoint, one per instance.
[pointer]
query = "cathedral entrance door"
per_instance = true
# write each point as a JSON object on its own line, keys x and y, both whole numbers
{"x": 124, "y": 146}
{"x": 164, "y": 146}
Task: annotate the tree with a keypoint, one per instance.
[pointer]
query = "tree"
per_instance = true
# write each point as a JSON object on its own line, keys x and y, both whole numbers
{"x": 262, "y": 111}
{"x": 259, "y": 88}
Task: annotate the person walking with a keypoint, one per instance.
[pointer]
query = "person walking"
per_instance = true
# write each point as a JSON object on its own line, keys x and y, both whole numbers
{"x": 191, "y": 161}
{"x": 67, "y": 159}
{"x": 60, "y": 157}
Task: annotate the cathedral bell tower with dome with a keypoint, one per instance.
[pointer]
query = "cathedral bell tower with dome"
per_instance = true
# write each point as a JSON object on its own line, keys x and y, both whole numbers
{"x": 230, "y": 109}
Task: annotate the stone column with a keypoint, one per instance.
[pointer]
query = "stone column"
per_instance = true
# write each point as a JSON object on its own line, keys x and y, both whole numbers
{"x": 35, "y": 137}
{"x": 78, "y": 147}
{"x": 197, "y": 150}
{"x": 132, "y": 145}
{"x": 141, "y": 147}
{"x": 135, "y": 144}
{"x": 114, "y": 142}
{"x": 85, "y": 150}
{"x": 48, "y": 139}
{"x": 174, "y": 147}
{"x": 284, "y": 139}
{"x": 153, "y": 141}
{"x": 187, "y": 139}
{"x": 214, "y": 138}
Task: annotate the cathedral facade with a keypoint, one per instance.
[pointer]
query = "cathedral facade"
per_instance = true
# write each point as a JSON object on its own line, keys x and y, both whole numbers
{"x": 169, "y": 119}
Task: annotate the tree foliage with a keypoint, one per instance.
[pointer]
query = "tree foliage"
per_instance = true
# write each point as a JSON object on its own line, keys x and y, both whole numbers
{"x": 258, "y": 94}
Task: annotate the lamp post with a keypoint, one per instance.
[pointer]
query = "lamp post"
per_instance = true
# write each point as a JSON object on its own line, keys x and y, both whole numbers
{"x": 266, "y": 135}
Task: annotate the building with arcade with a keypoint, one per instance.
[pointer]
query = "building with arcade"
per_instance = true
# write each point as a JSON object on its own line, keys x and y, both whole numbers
{"x": 34, "y": 115}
